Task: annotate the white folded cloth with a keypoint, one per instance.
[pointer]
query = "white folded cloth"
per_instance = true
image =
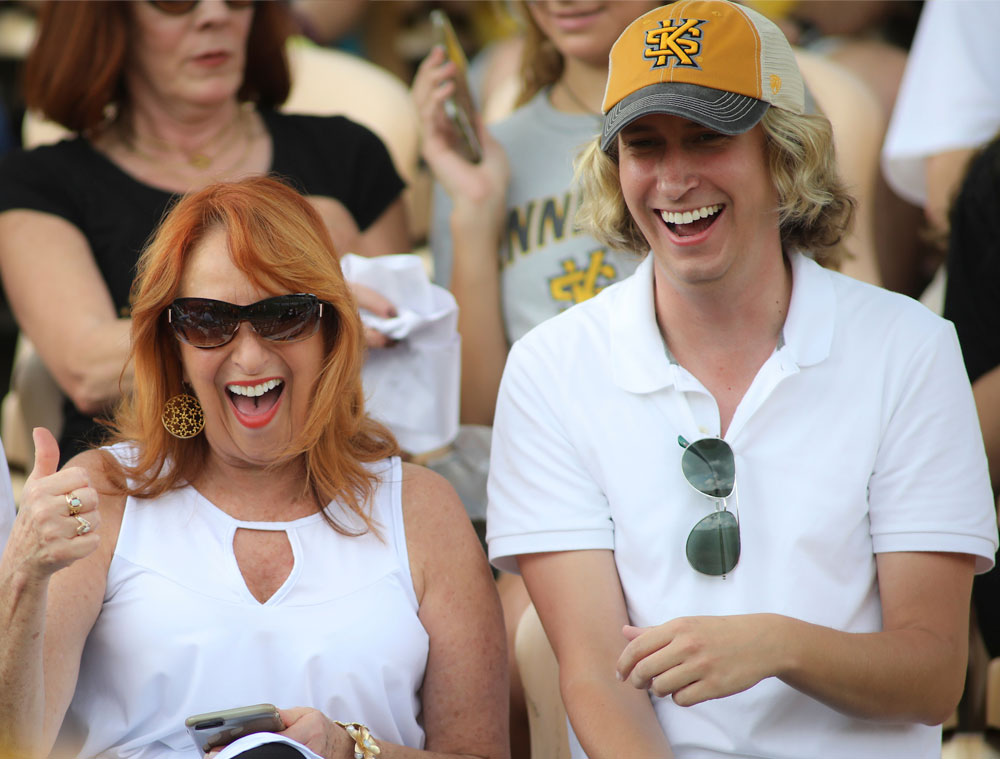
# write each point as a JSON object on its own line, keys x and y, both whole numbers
{"x": 413, "y": 386}
{"x": 253, "y": 740}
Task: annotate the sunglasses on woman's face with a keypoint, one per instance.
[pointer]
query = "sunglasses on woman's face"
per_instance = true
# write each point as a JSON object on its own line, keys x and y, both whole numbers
{"x": 180, "y": 7}
{"x": 207, "y": 323}
{"x": 713, "y": 547}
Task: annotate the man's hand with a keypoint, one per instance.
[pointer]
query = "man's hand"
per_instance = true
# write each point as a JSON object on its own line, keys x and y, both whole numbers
{"x": 696, "y": 659}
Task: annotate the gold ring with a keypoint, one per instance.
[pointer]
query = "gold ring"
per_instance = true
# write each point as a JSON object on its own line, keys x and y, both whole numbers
{"x": 75, "y": 504}
{"x": 84, "y": 527}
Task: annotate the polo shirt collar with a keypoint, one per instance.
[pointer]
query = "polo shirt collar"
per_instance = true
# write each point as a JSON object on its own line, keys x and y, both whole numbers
{"x": 639, "y": 361}
{"x": 811, "y": 314}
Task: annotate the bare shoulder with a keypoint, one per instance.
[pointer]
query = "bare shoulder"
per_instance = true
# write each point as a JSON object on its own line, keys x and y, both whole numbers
{"x": 431, "y": 507}
{"x": 104, "y": 475}
{"x": 435, "y": 517}
{"x": 423, "y": 489}
{"x": 105, "y": 479}
{"x": 98, "y": 463}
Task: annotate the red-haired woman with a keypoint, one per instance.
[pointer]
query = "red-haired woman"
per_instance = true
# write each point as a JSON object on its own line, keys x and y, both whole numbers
{"x": 166, "y": 98}
{"x": 250, "y": 536}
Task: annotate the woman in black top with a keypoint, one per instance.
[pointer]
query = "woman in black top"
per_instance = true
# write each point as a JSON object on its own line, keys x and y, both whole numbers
{"x": 166, "y": 98}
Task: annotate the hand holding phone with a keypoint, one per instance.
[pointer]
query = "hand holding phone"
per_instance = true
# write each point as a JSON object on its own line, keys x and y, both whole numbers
{"x": 215, "y": 729}
{"x": 459, "y": 107}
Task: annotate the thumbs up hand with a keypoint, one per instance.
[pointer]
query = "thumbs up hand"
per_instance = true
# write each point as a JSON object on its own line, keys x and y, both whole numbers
{"x": 57, "y": 519}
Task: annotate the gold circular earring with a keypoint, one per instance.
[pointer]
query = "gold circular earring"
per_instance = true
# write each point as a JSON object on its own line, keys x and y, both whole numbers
{"x": 183, "y": 416}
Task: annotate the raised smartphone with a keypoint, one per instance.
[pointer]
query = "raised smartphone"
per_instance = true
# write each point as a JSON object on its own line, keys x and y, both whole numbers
{"x": 215, "y": 729}
{"x": 459, "y": 107}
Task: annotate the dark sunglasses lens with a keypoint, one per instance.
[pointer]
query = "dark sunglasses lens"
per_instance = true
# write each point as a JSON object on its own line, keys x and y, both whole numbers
{"x": 202, "y": 323}
{"x": 709, "y": 466}
{"x": 206, "y": 323}
{"x": 713, "y": 547}
{"x": 174, "y": 7}
{"x": 286, "y": 318}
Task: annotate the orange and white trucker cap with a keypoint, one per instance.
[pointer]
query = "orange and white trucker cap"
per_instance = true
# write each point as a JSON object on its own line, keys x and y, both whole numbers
{"x": 714, "y": 62}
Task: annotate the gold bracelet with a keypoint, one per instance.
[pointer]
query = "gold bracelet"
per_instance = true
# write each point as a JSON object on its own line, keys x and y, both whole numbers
{"x": 364, "y": 744}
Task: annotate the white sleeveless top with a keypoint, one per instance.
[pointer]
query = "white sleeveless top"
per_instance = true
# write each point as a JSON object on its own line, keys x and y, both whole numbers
{"x": 180, "y": 634}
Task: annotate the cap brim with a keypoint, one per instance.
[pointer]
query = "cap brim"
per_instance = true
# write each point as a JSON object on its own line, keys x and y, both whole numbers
{"x": 725, "y": 112}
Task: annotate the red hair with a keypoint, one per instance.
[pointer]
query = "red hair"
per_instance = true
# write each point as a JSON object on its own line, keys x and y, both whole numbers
{"x": 278, "y": 240}
{"x": 75, "y": 69}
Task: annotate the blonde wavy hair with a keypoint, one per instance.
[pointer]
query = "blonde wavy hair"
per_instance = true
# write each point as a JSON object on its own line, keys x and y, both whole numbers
{"x": 814, "y": 209}
{"x": 278, "y": 240}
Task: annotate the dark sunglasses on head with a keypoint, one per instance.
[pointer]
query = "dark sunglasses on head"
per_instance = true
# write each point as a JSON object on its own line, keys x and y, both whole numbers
{"x": 180, "y": 7}
{"x": 207, "y": 323}
{"x": 713, "y": 547}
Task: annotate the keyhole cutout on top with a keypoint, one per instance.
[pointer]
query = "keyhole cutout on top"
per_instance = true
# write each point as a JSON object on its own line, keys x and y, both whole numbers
{"x": 265, "y": 560}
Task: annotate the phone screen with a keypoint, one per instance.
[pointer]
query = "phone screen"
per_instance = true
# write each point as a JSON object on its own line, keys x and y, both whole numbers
{"x": 459, "y": 107}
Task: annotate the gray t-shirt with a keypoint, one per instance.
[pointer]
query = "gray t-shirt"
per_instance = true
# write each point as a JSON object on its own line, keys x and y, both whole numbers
{"x": 546, "y": 264}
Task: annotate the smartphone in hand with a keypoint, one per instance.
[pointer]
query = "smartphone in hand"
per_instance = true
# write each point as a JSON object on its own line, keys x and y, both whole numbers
{"x": 459, "y": 107}
{"x": 215, "y": 729}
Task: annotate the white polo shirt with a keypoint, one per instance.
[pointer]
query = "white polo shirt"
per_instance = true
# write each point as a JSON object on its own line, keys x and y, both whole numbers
{"x": 859, "y": 435}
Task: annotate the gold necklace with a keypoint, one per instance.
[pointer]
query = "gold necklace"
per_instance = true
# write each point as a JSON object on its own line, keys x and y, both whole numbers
{"x": 165, "y": 169}
{"x": 200, "y": 159}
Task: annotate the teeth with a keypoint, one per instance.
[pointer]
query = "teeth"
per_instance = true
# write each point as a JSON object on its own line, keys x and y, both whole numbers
{"x": 686, "y": 217}
{"x": 254, "y": 391}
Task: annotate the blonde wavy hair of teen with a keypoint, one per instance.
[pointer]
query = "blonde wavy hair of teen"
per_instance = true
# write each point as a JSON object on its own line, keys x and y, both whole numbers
{"x": 278, "y": 240}
{"x": 814, "y": 209}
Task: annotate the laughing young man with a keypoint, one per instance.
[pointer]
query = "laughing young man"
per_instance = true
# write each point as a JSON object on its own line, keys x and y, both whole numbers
{"x": 747, "y": 494}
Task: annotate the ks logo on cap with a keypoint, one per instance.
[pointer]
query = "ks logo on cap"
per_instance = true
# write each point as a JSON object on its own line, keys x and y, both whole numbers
{"x": 679, "y": 42}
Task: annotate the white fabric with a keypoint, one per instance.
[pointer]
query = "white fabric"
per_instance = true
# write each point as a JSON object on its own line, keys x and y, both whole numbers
{"x": 950, "y": 94}
{"x": 180, "y": 634}
{"x": 413, "y": 386}
{"x": 7, "y": 507}
{"x": 858, "y": 436}
{"x": 254, "y": 740}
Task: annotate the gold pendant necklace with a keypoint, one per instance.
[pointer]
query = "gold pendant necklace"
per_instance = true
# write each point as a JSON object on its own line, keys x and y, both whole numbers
{"x": 200, "y": 159}
{"x": 165, "y": 168}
